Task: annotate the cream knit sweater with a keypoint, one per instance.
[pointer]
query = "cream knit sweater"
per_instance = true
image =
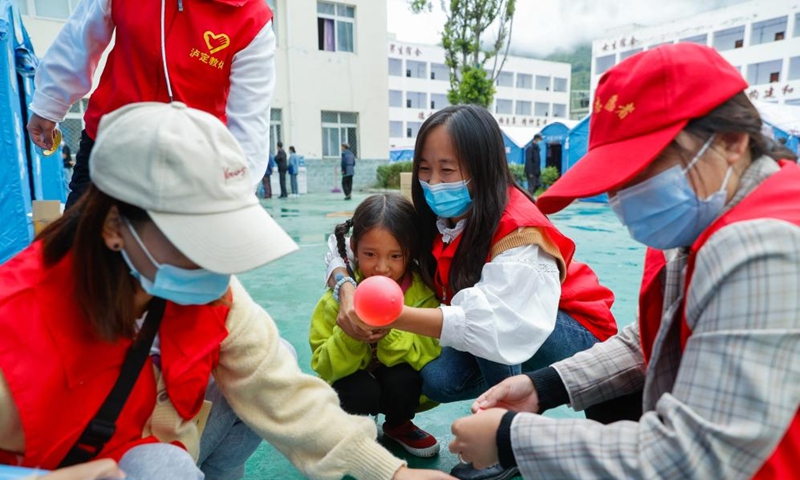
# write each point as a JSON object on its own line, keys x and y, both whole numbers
{"x": 297, "y": 413}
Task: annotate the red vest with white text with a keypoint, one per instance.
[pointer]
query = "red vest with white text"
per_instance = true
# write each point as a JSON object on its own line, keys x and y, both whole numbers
{"x": 200, "y": 40}
{"x": 59, "y": 372}
{"x": 776, "y": 198}
{"x": 582, "y": 296}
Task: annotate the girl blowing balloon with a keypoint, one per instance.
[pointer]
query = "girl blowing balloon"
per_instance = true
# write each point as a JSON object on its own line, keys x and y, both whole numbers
{"x": 381, "y": 374}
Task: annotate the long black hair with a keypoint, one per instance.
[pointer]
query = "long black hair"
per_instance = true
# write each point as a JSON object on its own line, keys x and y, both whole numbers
{"x": 481, "y": 152}
{"x": 386, "y": 210}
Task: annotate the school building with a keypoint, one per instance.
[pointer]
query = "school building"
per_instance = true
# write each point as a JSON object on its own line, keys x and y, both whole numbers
{"x": 529, "y": 92}
{"x": 761, "y": 38}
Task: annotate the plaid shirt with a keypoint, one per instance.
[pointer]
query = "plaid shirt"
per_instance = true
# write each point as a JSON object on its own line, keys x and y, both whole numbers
{"x": 716, "y": 410}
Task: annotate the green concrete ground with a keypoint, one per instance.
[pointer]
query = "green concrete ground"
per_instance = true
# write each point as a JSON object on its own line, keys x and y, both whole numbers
{"x": 290, "y": 287}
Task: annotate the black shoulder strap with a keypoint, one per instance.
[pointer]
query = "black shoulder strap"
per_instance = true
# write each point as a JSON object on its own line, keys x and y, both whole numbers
{"x": 104, "y": 424}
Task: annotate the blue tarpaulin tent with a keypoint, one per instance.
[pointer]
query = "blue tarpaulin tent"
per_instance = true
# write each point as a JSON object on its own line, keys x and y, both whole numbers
{"x": 575, "y": 147}
{"x": 516, "y": 140}
{"x": 25, "y": 175}
{"x": 552, "y": 146}
{"x": 401, "y": 154}
{"x": 783, "y": 122}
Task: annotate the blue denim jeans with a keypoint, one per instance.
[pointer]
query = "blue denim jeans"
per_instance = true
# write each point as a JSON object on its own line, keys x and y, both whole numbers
{"x": 227, "y": 442}
{"x": 457, "y": 375}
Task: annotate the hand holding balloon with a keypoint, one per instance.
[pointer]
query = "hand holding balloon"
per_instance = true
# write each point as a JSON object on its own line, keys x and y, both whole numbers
{"x": 378, "y": 301}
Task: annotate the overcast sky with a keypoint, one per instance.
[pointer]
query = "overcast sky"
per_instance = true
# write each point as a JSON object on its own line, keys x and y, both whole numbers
{"x": 543, "y": 26}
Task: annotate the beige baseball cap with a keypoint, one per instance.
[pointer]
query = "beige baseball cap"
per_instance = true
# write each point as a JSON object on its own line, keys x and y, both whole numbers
{"x": 189, "y": 173}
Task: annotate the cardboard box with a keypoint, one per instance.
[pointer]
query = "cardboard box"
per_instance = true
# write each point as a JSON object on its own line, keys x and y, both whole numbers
{"x": 405, "y": 185}
{"x": 44, "y": 213}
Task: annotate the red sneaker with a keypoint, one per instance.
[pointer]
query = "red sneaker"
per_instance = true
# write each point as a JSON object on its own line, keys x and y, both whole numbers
{"x": 415, "y": 440}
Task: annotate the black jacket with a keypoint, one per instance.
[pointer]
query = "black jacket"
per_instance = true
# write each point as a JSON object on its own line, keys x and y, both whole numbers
{"x": 532, "y": 160}
{"x": 280, "y": 159}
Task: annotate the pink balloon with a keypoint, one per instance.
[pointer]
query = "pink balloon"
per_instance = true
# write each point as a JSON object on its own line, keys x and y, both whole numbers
{"x": 378, "y": 301}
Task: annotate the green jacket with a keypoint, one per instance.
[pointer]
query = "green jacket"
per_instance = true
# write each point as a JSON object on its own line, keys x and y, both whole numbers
{"x": 336, "y": 355}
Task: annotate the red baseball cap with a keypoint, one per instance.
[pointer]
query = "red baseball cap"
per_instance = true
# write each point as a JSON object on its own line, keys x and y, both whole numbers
{"x": 639, "y": 106}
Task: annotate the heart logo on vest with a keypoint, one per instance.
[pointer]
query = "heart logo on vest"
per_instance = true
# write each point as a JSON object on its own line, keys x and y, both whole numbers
{"x": 215, "y": 42}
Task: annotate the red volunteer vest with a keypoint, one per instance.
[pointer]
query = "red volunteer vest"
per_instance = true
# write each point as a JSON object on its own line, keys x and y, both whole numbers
{"x": 59, "y": 374}
{"x": 582, "y": 296}
{"x": 777, "y": 198}
{"x": 201, "y": 42}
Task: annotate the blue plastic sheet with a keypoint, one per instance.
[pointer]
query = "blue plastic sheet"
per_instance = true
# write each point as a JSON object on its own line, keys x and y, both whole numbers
{"x": 25, "y": 174}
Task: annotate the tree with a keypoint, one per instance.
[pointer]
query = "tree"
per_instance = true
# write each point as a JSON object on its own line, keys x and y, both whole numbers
{"x": 467, "y": 51}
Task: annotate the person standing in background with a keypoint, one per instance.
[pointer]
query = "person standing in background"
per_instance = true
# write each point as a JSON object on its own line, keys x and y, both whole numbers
{"x": 266, "y": 180}
{"x": 294, "y": 169}
{"x": 280, "y": 159}
{"x": 66, "y": 156}
{"x": 532, "y": 164}
{"x": 348, "y": 170}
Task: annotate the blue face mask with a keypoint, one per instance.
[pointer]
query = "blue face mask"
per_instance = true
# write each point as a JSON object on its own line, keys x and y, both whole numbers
{"x": 447, "y": 200}
{"x": 178, "y": 285}
{"x": 664, "y": 212}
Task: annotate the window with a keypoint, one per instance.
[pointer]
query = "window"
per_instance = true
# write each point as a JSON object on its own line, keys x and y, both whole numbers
{"x": 601, "y": 64}
{"x": 656, "y": 45}
{"x": 559, "y": 110}
{"x": 503, "y": 107}
{"x": 72, "y": 125}
{"x": 412, "y": 128}
{"x": 395, "y": 98}
{"x": 396, "y": 129}
{"x": 764, "y": 72}
{"x": 738, "y": 44}
{"x": 523, "y": 108}
{"x": 629, "y": 53}
{"x": 768, "y": 30}
{"x": 559, "y": 84}
{"x": 699, "y": 39}
{"x": 505, "y": 79}
{"x": 395, "y": 67}
{"x": 541, "y": 109}
{"x": 797, "y": 24}
{"x": 339, "y": 128}
{"x": 416, "y": 100}
{"x": 439, "y": 101}
{"x": 272, "y": 7}
{"x": 335, "y": 27}
{"x": 728, "y": 39}
{"x": 275, "y": 129}
{"x": 794, "y": 68}
{"x": 58, "y": 9}
{"x": 542, "y": 83}
{"x": 524, "y": 80}
{"x": 439, "y": 72}
{"x": 416, "y": 69}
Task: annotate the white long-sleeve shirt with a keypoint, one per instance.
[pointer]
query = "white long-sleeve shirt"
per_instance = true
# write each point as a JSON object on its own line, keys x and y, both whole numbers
{"x": 65, "y": 74}
{"x": 507, "y": 315}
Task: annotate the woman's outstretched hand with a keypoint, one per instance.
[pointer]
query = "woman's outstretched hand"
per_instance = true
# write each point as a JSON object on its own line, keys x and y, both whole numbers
{"x": 515, "y": 393}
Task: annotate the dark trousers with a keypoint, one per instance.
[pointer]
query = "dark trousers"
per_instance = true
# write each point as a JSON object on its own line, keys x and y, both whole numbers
{"x": 80, "y": 172}
{"x": 266, "y": 182}
{"x": 282, "y": 179}
{"x": 347, "y": 185}
{"x": 533, "y": 183}
{"x": 392, "y": 391}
